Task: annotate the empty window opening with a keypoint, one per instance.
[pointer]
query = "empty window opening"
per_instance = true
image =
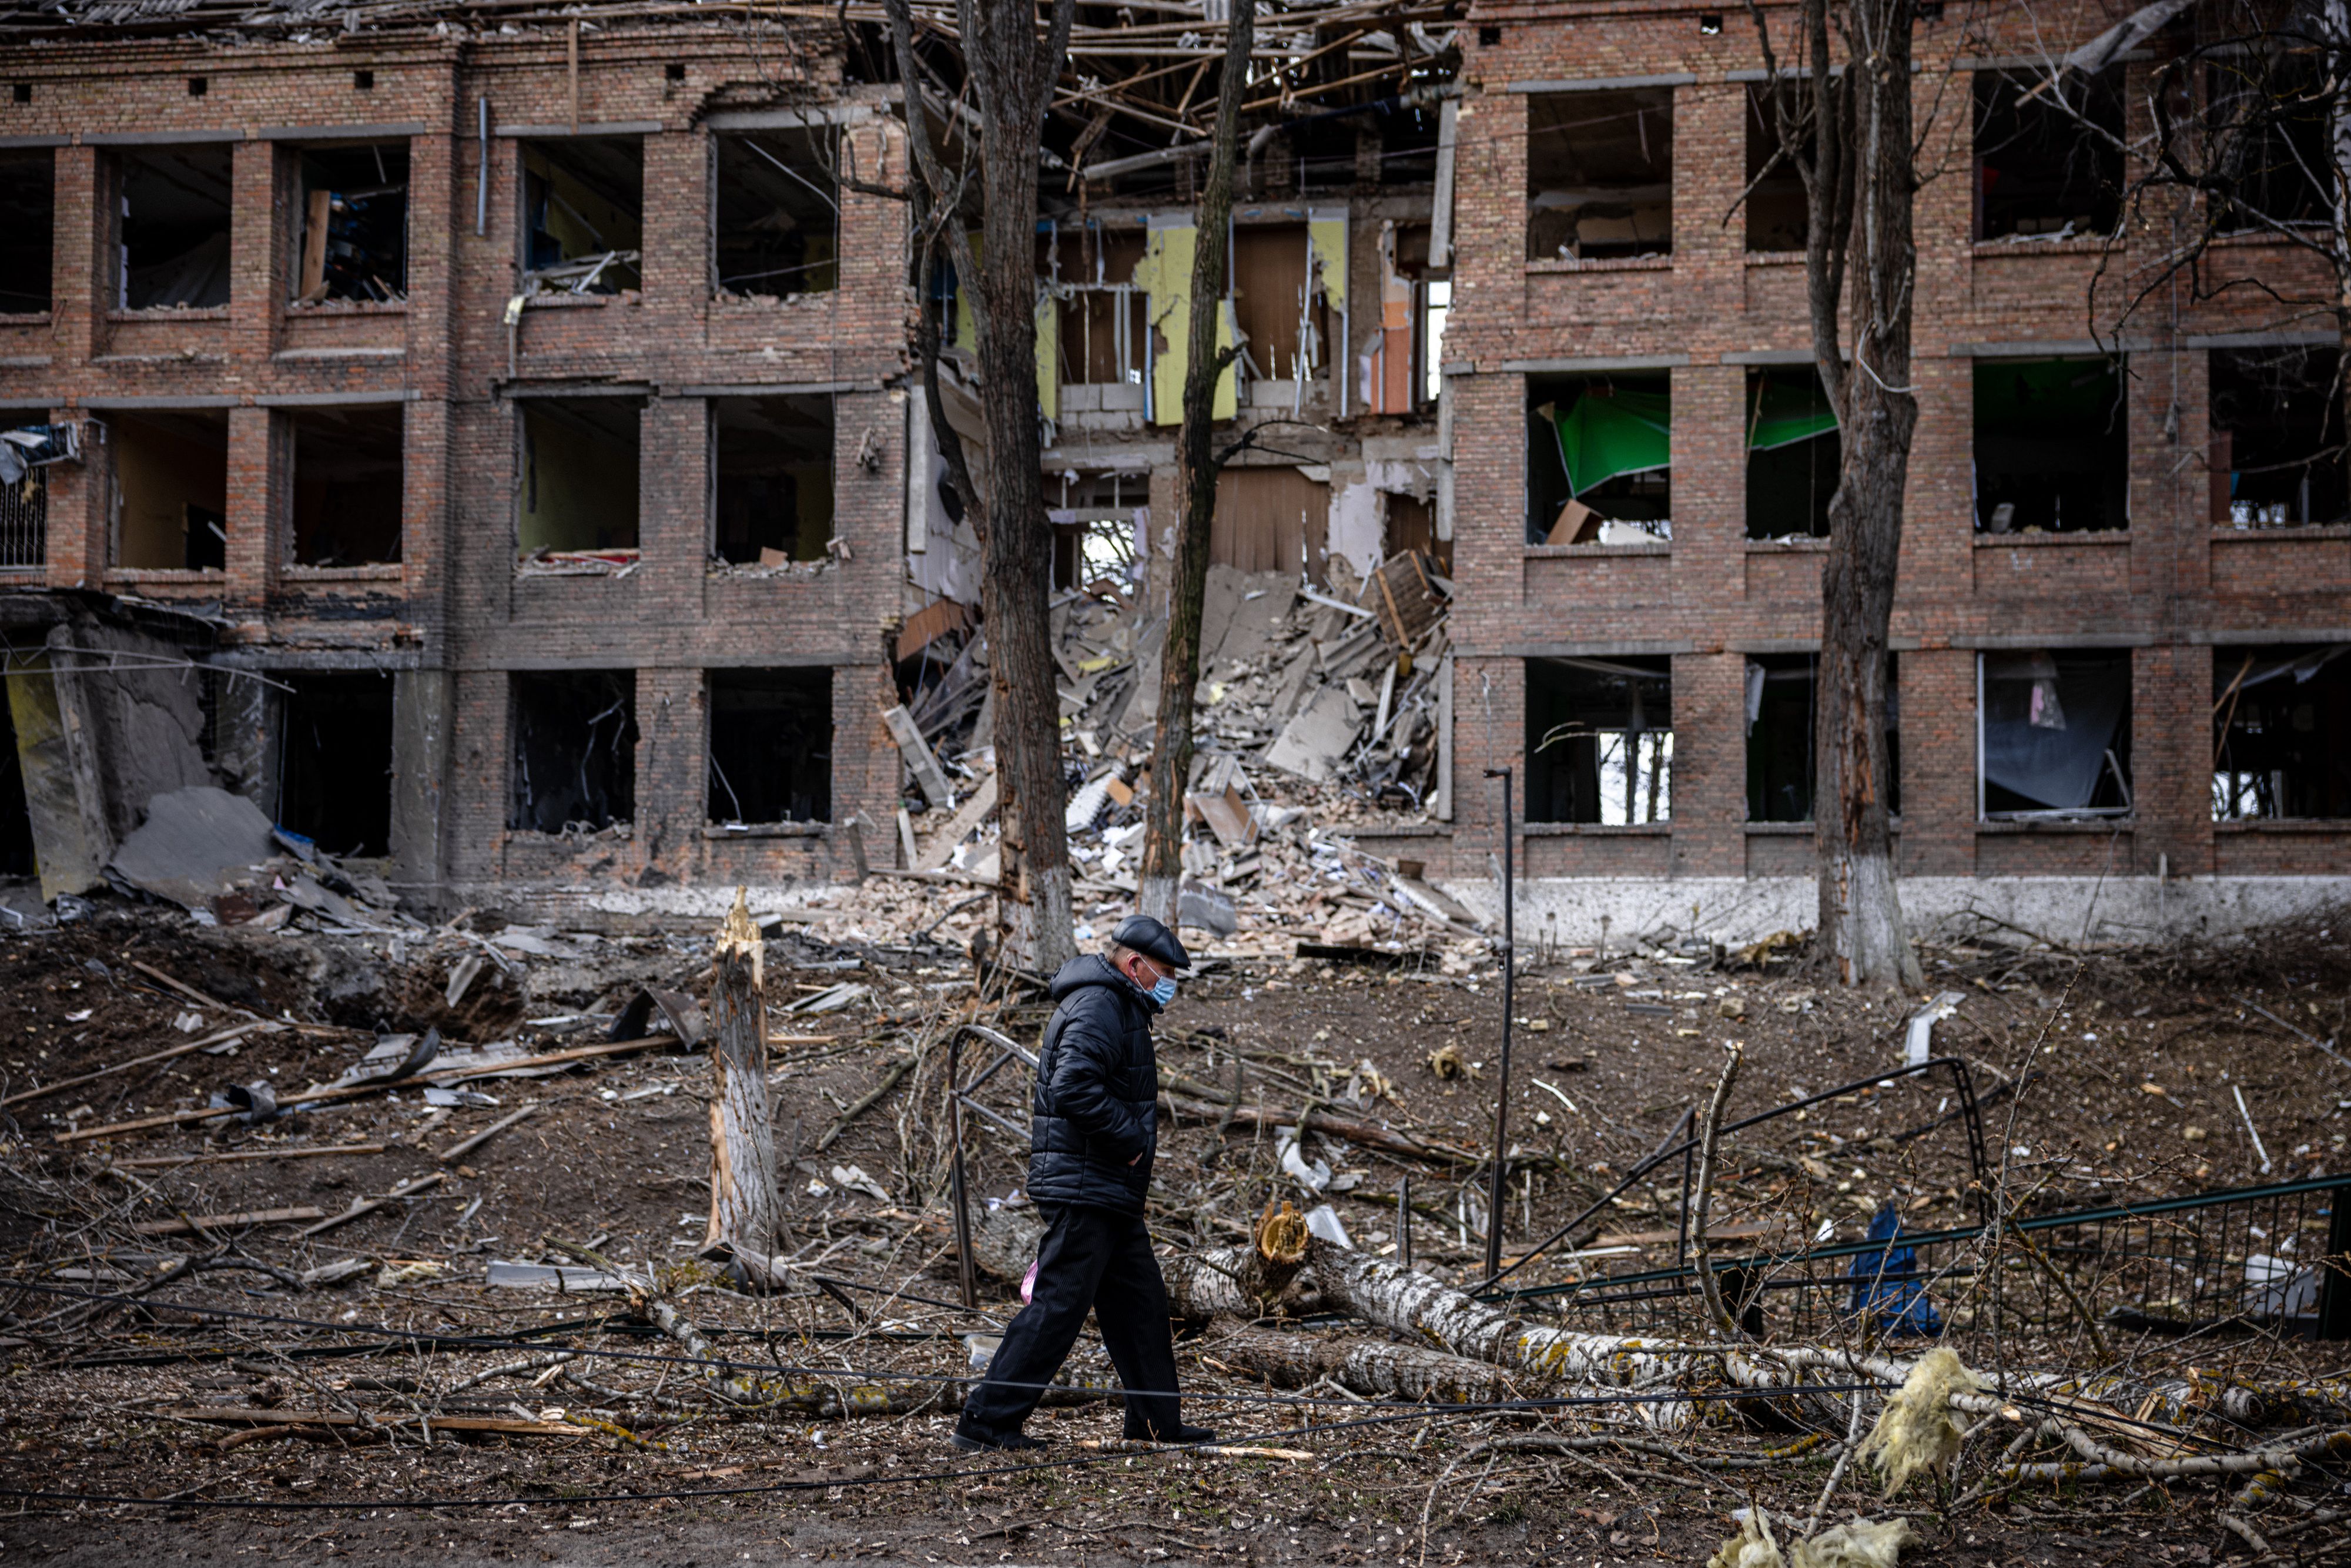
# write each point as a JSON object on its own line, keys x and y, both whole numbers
{"x": 334, "y": 762}
{"x": 2052, "y": 451}
{"x": 779, "y": 214}
{"x": 29, "y": 205}
{"x": 1599, "y": 456}
{"x": 16, "y": 816}
{"x": 1282, "y": 314}
{"x": 1600, "y": 741}
{"x": 1600, "y": 173}
{"x": 1323, "y": 152}
{"x": 347, "y": 484}
{"x": 579, "y": 480}
{"x": 1782, "y": 709}
{"x": 354, "y": 218}
{"x": 2280, "y": 719}
{"x": 171, "y": 488}
{"x": 1270, "y": 519}
{"x": 575, "y": 750}
{"x": 1792, "y": 454}
{"x": 1407, "y": 134}
{"x": 2267, "y": 138}
{"x": 172, "y": 236}
{"x": 1103, "y": 324}
{"x": 1777, "y": 217}
{"x": 2277, "y": 437}
{"x": 1412, "y": 527}
{"x": 2047, "y": 169}
{"x": 2054, "y": 734}
{"x": 771, "y": 746}
{"x": 583, "y": 203}
{"x": 771, "y": 478}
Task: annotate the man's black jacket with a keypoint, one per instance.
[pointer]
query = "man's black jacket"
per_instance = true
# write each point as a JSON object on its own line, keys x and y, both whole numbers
{"x": 1097, "y": 1093}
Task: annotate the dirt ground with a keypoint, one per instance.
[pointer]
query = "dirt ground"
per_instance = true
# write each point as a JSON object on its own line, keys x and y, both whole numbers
{"x": 2102, "y": 1077}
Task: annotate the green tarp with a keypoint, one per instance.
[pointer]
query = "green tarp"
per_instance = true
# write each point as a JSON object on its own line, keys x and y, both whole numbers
{"x": 1781, "y": 413}
{"x": 2022, "y": 394}
{"x": 1608, "y": 432}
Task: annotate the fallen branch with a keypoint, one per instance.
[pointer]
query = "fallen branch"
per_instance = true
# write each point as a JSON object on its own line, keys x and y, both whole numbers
{"x": 366, "y": 1206}
{"x": 899, "y": 1067}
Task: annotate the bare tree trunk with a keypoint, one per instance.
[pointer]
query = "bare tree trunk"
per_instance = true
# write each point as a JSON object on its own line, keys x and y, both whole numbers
{"x": 1371, "y": 1367}
{"x": 1012, "y": 68}
{"x": 1196, "y": 485}
{"x": 744, "y": 1214}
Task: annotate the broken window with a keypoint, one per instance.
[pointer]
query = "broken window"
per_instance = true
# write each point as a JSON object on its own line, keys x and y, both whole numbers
{"x": 777, "y": 218}
{"x": 1103, "y": 315}
{"x": 1781, "y": 751}
{"x": 172, "y": 234}
{"x": 2046, "y": 169}
{"x": 1281, "y": 321}
{"x": 1599, "y": 456}
{"x": 2280, "y": 719}
{"x": 1777, "y": 217}
{"x": 1792, "y": 454}
{"x": 583, "y": 203}
{"x": 1600, "y": 741}
{"x": 575, "y": 750}
{"x": 28, "y": 201}
{"x": 771, "y": 478}
{"x": 771, "y": 746}
{"x": 346, "y": 483}
{"x": 1270, "y": 519}
{"x": 170, "y": 494}
{"x": 2052, "y": 451}
{"x": 2054, "y": 734}
{"x": 354, "y": 221}
{"x": 2277, "y": 437}
{"x": 578, "y": 488}
{"x": 1408, "y": 133}
{"x": 333, "y": 773}
{"x": 1600, "y": 172}
{"x": 2266, "y": 118}
{"x": 15, "y": 815}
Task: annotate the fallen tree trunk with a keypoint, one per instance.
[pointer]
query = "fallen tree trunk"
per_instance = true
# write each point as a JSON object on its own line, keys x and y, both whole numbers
{"x": 1239, "y": 1281}
{"x": 1375, "y": 1368}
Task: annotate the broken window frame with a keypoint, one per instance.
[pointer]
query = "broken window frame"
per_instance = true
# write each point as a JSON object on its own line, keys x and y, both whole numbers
{"x": 30, "y": 232}
{"x": 818, "y": 678}
{"x": 2317, "y": 454}
{"x": 715, "y": 544}
{"x": 2109, "y": 469}
{"x": 1651, "y": 110}
{"x": 2111, "y": 795}
{"x": 592, "y": 273}
{"x": 1997, "y": 93}
{"x": 294, "y": 424}
{"x": 2252, "y": 688}
{"x": 1642, "y": 792}
{"x": 823, "y": 163}
{"x": 124, "y": 167}
{"x": 1766, "y": 192}
{"x": 1765, "y": 670}
{"x": 1821, "y": 450}
{"x": 615, "y": 707}
{"x": 1124, "y": 302}
{"x": 327, "y": 289}
{"x": 1621, "y": 497}
{"x": 197, "y": 552}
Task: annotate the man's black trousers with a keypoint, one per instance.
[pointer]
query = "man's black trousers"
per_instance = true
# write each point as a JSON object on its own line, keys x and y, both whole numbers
{"x": 1094, "y": 1258}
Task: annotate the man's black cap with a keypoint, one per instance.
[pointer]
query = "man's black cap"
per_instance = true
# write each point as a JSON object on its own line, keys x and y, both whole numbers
{"x": 1153, "y": 940}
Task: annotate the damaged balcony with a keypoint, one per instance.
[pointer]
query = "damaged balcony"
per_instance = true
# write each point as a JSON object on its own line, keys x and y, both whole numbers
{"x": 576, "y": 502}
{"x": 346, "y": 484}
{"x": 168, "y": 494}
{"x": 776, "y": 228}
{"x": 771, "y": 490}
{"x": 770, "y": 770}
{"x": 575, "y": 752}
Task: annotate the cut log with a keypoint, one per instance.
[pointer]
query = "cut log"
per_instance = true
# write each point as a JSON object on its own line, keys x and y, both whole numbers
{"x": 1371, "y": 1367}
{"x": 1004, "y": 1242}
{"x": 1239, "y": 1281}
{"x": 743, "y": 1209}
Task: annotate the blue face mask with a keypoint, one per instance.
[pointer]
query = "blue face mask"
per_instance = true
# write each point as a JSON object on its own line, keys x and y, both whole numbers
{"x": 1163, "y": 992}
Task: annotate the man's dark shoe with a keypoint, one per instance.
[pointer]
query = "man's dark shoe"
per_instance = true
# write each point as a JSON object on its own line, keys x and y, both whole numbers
{"x": 1012, "y": 1443}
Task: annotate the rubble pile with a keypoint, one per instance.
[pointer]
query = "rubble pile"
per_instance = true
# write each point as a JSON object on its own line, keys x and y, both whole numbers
{"x": 1315, "y": 713}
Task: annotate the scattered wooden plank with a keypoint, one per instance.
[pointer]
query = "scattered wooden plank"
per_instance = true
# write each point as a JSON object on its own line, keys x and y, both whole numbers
{"x": 367, "y": 1206}
{"x": 165, "y": 1162}
{"x": 920, "y": 759}
{"x": 187, "y": 991}
{"x": 976, "y": 811}
{"x": 182, "y": 1049}
{"x": 460, "y": 1149}
{"x": 188, "y": 1225}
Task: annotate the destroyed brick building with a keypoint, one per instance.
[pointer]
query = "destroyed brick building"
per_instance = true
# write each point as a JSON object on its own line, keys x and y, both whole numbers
{"x": 504, "y": 419}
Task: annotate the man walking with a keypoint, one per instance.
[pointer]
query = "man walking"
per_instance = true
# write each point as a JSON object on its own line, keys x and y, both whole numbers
{"x": 1095, "y": 1129}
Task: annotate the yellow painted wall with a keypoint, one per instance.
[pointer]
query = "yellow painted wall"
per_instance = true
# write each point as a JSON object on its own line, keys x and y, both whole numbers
{"x": 158, "y": 474}
{"x": 585, "y": 489}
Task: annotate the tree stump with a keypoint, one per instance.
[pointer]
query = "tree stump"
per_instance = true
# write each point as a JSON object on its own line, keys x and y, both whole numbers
{"x": 743, "y": 1212}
